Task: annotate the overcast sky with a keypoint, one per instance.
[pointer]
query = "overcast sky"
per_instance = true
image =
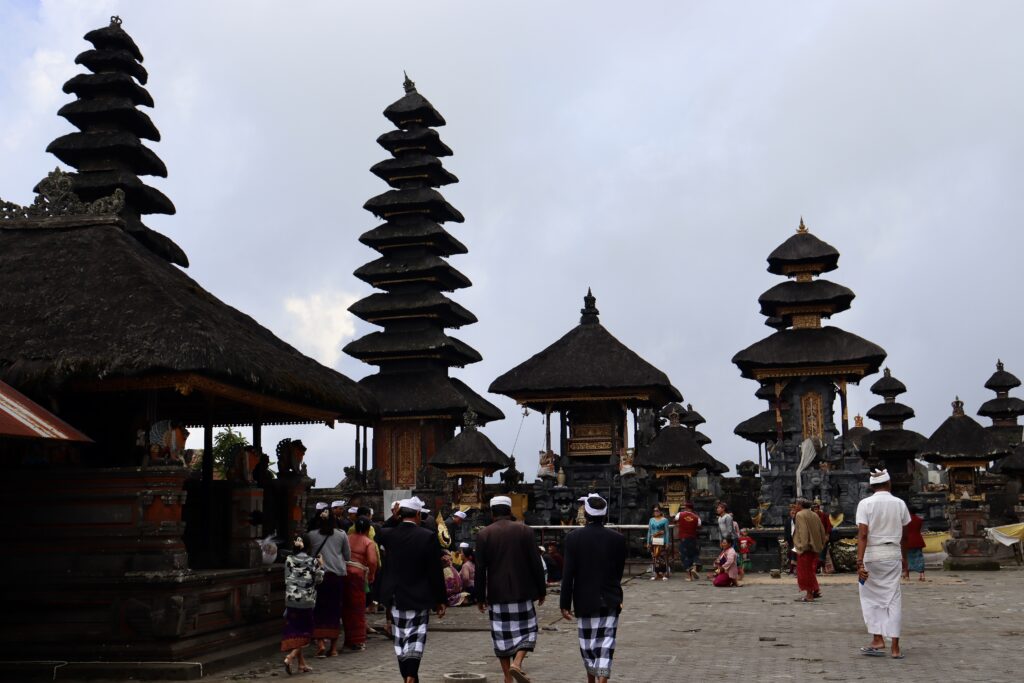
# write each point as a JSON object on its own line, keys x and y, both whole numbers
{"x": 656, "y": 152}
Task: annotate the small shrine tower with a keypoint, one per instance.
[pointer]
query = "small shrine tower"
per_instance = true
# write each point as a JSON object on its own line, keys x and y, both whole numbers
{"x": 808, "y": 365}
{"x": 420, "y": 404}
{"x": 892, "y": 447}
{"x": 1004, "y": 409}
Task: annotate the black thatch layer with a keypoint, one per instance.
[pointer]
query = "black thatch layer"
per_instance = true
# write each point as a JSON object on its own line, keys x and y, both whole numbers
{"x": 855, "y": 436}
{"x": 673, "y": 407}
{"x": 828, "y": 296}
{"x": 118, "y": 110}
{"x": 676, "y": 447}
{"x": 760, "y": 428}
{"x": 424, "y": 140}
{"x": 961, "y": 438}
{"x": 379, "y": 307}
{"x": 890, "y": 413}
{"x": 1012, "y": 464}
{"x": 809, "y": 347}
{"x": 398, "y": 172}
{"x": 91, "y": 302}
{"x": 701, "y": 438}
{"x": 413, "y": 273}
{"x": 888, "y": 386}
{"x": 413, "y": 109}
{"x": 1002, "y": 408}
{"x": 803, "y": 249}
{"x": 766, "y": 392}
{"x": 378, "y": 348}
{"x": 425, "y": 201}
{"x": 390, "y": 273}
{"x": 470, "y": 448}
{"x": 690, "y": 417}
{"x": 427, "y": 394}
{"x": 587, "y": 358}
{"x": 108, "y": 151}
{"x": 417, "y": 231}
{"x": 892, "y": 443}
{"x": 776, "y": 323}
{"x": 1001, "y": 380}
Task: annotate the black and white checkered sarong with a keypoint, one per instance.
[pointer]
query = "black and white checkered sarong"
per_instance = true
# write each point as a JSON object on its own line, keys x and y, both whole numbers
{"x": 513, "y": 627}
{"x": 410, "y": 629}
{"x": 597, "y": 643}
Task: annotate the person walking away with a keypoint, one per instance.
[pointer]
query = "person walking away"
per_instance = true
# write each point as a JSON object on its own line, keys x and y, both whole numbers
{"x": 302, "y": 573}
{"x": 595, "y": 558}
{"x": 657, "y": 536}
{"x": 362, "y": 571}
{"x": 727, "y": 571}
{"x": 915, "y": 547}
{"x": 882, "y": 521}
{"x": 808, "y": 540}
{"x": 816, "y": 508}
{"x": 687, "y": 529}
{"x": 332, "y": 545}
{"x": 412, "y": 583}
{"x": 509, "y": 578}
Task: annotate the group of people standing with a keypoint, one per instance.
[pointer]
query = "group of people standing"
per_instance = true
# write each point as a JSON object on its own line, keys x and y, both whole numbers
{"x": 327, "y": 579}
{"x": 509, "y": 584}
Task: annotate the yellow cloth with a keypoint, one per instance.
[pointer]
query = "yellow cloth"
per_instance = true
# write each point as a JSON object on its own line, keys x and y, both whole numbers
{"x": 1007, "y": 535}
{"x": 934, "y": 540}
{"x": 809, "y": 533}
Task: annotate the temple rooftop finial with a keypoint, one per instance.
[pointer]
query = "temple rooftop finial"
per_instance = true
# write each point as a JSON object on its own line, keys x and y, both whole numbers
{"x": 115, "y": 20}
{"x": 408, "y": 83}
{"x": 958, "y": 406}
{"x": 999, "y": 364}
{"x": 803, "y": 228}
{"x": 589, "y": 311}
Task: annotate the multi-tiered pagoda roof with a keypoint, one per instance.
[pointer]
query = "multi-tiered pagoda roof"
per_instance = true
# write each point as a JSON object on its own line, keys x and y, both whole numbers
{"x": 960, "y": 439}
{"x": 1004, "y": 409}
{"x": 107, "y": 150}
{"x": 413, "y": 351}
{"x": 802, "y": 347}
{"x": 891, "y": 441}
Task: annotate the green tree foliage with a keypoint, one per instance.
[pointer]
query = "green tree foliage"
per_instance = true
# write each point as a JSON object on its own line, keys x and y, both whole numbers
{"x": 224, "y": 442}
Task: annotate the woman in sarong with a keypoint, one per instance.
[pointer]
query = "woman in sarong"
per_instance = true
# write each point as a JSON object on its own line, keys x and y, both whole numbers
{"x": 726, "y": 572}
{"x": 453, "y": 582}
{"x": 301, "y": 575}
{"x": 362, "y": 570}
{"x": 657, "y": 536}
{"x": 332, "y": 545}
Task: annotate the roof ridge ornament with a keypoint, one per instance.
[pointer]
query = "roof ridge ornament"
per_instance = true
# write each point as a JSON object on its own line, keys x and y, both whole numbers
{"x": 589, "y": 311}
{"x": 115, "y": 21}
{"x": 408, "y": 84}
{"x": 802, "y": 229}
{"x": 958, "y": 407}
{"x": 999, "y": 364}
{"x": 56, "y": 198}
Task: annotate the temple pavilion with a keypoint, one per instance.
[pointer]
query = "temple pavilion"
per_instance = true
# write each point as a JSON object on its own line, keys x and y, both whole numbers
{"x": 102, "y": 328}
{"x": 807, "y": 365}
{"x": 420, "y": 404}
{"x": 592, "y": 381}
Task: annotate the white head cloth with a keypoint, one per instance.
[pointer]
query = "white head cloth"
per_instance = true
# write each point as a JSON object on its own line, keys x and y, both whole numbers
{"x": 321, "y": 506}
{"x": 339, "y": 504}
{"x": 424, "y": 510}
{"x": 879, "y": 477}
{"x": 594, "y": 511}
{"x": 464, "y": 545}
{"x": 413, "y": 503}
{"x": 583, "y": 499}
{"x": 460, "y": 514}
{"x": 501, "y": 500}
{"x": 353, "y": 511}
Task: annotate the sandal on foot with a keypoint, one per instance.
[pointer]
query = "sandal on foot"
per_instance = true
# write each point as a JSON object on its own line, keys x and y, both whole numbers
{"x": 899, "y": 656}
{"x": 306, "y": 669}
{"x": 519, "y": 675}
{"x": 288, "y": 666}
{"x": 872, "y": 652}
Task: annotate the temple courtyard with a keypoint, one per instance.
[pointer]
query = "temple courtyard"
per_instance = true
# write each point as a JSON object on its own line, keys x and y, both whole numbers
{"x": 957, "y": 626}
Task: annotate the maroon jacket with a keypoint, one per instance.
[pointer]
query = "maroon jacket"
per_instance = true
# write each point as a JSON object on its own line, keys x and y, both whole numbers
{"x": 508, "y": 564}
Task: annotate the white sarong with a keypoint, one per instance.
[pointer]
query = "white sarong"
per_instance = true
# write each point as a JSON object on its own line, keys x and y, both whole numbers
{"x": 881, "y": 600}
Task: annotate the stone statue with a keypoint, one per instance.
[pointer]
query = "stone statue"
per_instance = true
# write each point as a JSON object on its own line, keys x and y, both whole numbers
{"x": 289, "y": 457}
{"x": 546, "y": 467}
{"x": 564, "y": 506}
{"x": 242, "y": 463}
{"x": 353, "y": 480}
{"x": 511, "y": 477}
{"x": 167, "y": 443}
{"x": 626, "y": 462}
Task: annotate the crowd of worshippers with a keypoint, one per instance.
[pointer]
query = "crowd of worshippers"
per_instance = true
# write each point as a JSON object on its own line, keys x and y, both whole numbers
{"x": 345, "y": 565}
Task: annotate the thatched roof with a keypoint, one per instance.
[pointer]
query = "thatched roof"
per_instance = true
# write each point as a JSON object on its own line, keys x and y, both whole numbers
{"x": 470, "y": 448}
{"x": 587, "y": 359}
{"x": 428, "y": 394}
{"x": 760, "y": 428}
{"x": 88, "y": 302}
{"x": 413, "y": 108}
{"x": 796, "y": 348}
{"x": 676, "y": 447}
{"x": 888, "y": 386}
{"x": 959, "y": 437}
{"x": 800, "y": 250}
{"x": 1001, "y": 380}
{"x": 889, "y": 413}
{"x": 827, "y": 295}
{"x": 1012, "y": 464}
{"x": 891, "y": 443}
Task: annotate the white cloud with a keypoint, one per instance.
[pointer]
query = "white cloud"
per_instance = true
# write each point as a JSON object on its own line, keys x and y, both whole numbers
{"x": 321, "y": 323}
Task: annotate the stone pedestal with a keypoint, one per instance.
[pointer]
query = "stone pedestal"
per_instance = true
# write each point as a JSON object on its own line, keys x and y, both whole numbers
{"x": 968, "y": 549}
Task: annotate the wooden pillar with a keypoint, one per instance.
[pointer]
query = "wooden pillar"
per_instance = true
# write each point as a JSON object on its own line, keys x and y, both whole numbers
{"x": 547, "y": 427}
{"x": 257, "y": 436}
{"x": 356, "y": 454}
{"x": 842, "y": 403}
{"x": 563, "y": 428}
{"x": 365, "y": 470}
{"x": 207, "y": 488}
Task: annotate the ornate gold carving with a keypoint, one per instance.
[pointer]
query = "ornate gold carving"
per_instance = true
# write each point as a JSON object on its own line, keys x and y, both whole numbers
{"x": 590, "y": 447}
{"x": 807, "y": 321}
{"x": 583, "y": 431}
{"x": 811, "y": 371}
{"x": 56, "y": 198}
{"x": 813, "y": 419}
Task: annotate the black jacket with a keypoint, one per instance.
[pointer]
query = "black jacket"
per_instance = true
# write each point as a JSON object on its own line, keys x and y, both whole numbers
{"x": 508, "y": 564}
{"x": 594, "y": 558}
{"x": 413, "y": 577}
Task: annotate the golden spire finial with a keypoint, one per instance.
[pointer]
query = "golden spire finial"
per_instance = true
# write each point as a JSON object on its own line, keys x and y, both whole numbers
{"x": 803, "y": 228}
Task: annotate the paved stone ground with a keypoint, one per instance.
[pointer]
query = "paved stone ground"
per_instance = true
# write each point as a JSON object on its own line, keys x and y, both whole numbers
{"x": 957, "y": 627}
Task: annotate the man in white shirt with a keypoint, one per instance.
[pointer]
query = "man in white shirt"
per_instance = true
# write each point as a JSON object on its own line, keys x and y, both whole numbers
{"x": 882, "y": 519}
